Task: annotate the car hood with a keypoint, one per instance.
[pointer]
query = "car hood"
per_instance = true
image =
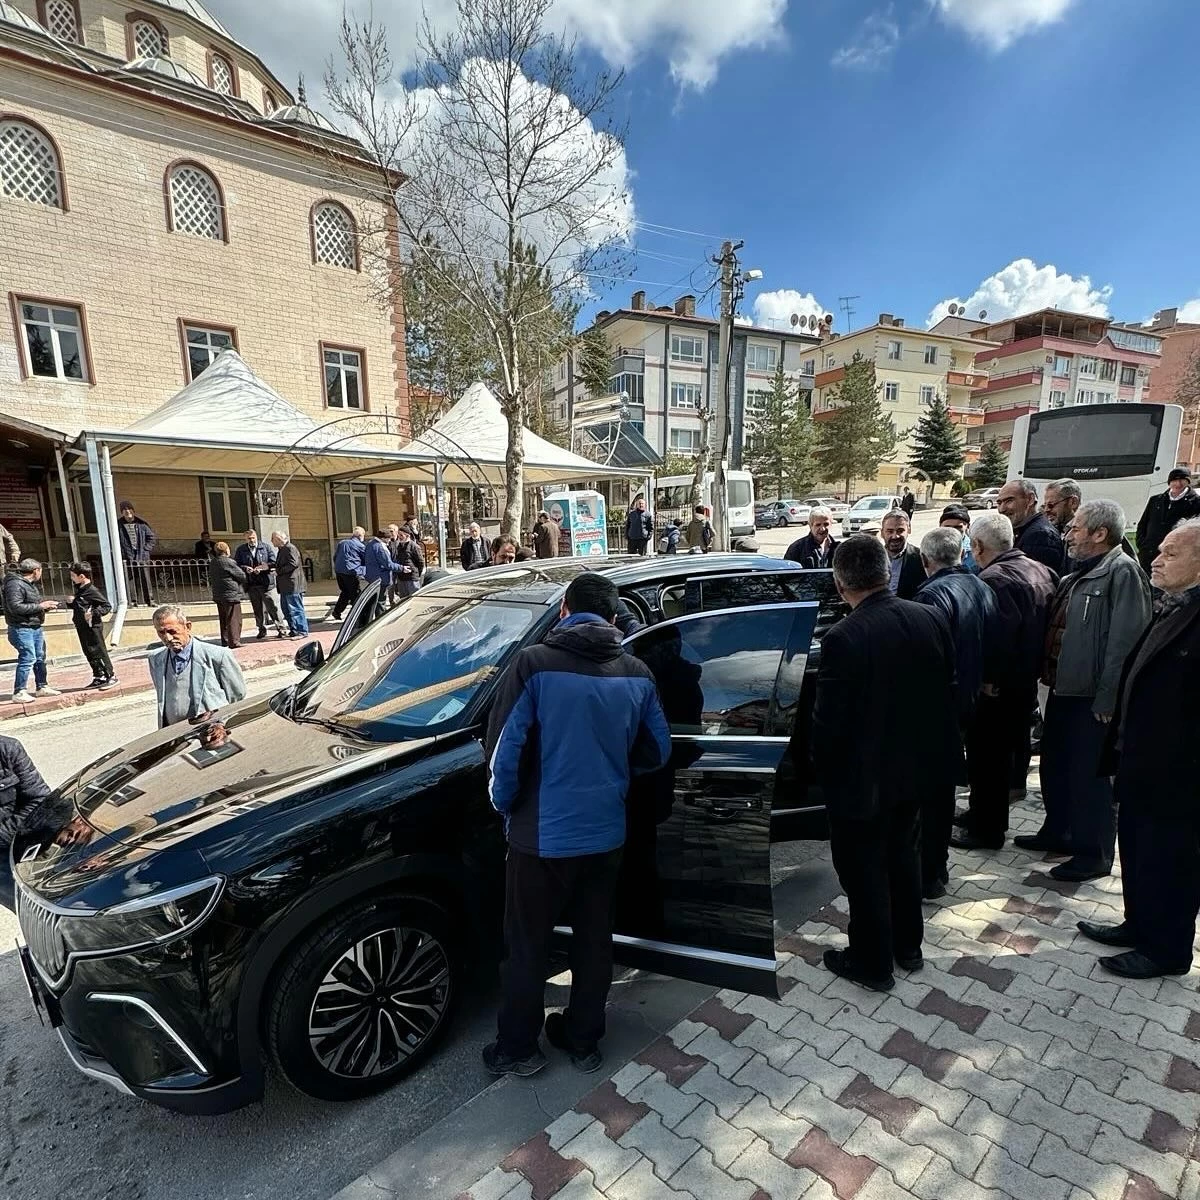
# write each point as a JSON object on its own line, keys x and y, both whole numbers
{"x": 164, "y": 791}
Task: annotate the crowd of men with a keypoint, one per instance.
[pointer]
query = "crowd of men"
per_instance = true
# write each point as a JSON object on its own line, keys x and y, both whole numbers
{"x": 1055, "y": 610}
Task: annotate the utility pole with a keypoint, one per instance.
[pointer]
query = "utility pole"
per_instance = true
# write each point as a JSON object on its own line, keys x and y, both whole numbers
{"x": 721, "y": 414}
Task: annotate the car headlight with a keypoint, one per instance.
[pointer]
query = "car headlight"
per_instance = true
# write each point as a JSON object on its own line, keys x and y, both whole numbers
{"x": 146, "y": 921}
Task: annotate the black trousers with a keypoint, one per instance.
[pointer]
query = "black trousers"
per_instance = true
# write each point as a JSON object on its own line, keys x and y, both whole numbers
{"x": 996, "y": 740}
{"x": 138, "y": 574}
{"x": 1079, "y": 803}
{"x": 91, "y": 642}
{"x": 878, "y": 863}
{"x": 1160, "y": 877}
{"x": 1024, "y": 745}
{"x": 540, "y": 893}
{"x": 349, "y": 585}
{"x": 636, "y": 547}
{"x": 263, "y": 602}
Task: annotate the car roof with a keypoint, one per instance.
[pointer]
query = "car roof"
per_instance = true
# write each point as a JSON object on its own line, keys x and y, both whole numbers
{"x": 543, "y": 581}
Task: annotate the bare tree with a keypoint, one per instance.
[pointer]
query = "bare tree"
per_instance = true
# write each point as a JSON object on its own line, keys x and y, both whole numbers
{"x": 1187, "y": 396}
{"x": 511, "y": 170}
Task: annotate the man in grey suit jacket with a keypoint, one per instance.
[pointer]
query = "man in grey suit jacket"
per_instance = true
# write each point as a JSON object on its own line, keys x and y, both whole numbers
{"x": 192, "y": 679}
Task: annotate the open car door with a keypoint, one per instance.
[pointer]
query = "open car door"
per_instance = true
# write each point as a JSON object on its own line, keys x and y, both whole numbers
{"x": 694, "y": 899}
{"x": 361, "y": 614}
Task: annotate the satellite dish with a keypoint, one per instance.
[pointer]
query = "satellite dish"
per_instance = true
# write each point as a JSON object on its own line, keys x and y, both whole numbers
{"x": 812, "y": 320}
{"x": 828, "y": 319}
{"x": 954, "y": 310}
{"x": 795, "y": 320}
{"x": 982, "y": 313}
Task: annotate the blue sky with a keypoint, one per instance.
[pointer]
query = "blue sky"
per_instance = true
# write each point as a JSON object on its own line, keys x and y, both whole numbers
{"x": 1004, "y": 153}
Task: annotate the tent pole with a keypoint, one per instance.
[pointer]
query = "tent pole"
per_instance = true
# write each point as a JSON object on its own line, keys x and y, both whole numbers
{"x": 114, "y": 533}
{"x": 68, "y": 507}
{"x": 106, "y": 519}
{"x": 439, "y": 514}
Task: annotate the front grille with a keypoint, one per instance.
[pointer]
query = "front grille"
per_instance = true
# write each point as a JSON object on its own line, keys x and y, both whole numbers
{"x": 40, "y": 928}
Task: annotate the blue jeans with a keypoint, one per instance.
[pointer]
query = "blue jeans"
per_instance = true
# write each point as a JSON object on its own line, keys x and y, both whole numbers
{"x": 293, "y": 610}
{"x": 30, "y": 645}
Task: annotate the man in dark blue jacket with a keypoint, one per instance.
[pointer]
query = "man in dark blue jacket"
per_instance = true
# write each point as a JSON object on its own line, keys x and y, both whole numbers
{"x": 349, "y": 570}
{"x": 969, "y": 607}
{"x": 574, "y": 720}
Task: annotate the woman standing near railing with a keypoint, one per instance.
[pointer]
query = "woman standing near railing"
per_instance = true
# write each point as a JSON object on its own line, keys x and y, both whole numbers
{"x": 228, "y": 582}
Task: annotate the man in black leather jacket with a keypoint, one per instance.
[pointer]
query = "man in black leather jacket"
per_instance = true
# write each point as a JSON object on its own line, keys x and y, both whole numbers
{"x": 22, "y": 790}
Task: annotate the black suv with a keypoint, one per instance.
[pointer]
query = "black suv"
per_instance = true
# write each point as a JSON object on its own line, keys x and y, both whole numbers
{"x": 308, "y": 875}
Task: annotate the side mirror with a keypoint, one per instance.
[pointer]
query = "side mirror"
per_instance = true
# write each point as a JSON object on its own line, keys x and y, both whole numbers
{"x": 309, "y": 657}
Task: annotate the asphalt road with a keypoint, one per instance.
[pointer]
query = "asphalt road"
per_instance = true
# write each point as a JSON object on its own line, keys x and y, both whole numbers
{"x": 64, "y": 1135}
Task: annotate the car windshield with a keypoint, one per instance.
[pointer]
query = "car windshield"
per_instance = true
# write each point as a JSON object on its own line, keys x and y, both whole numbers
{"x": 872, "y": 504}
{"x": 415, "y": 669}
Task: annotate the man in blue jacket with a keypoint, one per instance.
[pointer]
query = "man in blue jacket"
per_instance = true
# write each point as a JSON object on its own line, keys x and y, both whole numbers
{"x": 379, "y": 566}
{"x": 969, "y": 607}
{"x": 574, "y": 720}
{"x": 349, "y": 570}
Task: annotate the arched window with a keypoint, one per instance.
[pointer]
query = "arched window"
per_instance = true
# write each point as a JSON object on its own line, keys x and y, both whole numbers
{"x": 147, "y": 40}
{"x": 221, "y": 75}
{"x": 29, "y": 166}
{"x": 61, "y": 17}
{"x": 194, "y": 202}
{"x": 333, "y": 233}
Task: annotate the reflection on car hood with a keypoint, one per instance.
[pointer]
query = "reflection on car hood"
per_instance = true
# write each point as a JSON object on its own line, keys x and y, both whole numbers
{"x": 165, "y": 789}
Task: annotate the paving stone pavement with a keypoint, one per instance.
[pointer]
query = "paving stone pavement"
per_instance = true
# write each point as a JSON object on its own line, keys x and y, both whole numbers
{"x": 1010, "y": 1066}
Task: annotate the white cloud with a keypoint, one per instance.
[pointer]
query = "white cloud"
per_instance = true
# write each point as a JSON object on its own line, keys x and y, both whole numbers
{"x": 298, "y": 35}
{"x": 1190, "y": 312}
{"x": 873, "y": 44}
{"x": 999, "y": 23}
{"x": 780, "y": 305}
{"x": 1023, "y": 286}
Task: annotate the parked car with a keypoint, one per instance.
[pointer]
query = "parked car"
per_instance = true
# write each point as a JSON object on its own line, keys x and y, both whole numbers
{"x": 837, "y": 507}
{"x": 307, "y": 878}
{"x": 870, "y": 510}
{"x": 983, "y": 498}
{"x": 779, "y": 514}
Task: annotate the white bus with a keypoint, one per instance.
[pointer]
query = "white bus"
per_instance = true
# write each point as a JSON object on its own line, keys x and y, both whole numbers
{"x": 1119, "y": 452}
{"x": 673, "y": 498}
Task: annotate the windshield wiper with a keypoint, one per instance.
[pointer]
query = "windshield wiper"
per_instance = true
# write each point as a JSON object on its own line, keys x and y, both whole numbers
{"x": 335, "y": 727}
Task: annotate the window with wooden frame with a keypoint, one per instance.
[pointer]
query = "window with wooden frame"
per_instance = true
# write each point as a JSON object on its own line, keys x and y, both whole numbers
{"x": 345, "y": 377}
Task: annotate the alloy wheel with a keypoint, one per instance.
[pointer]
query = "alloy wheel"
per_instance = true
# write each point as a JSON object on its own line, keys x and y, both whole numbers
{"x": 379, "y": 1002}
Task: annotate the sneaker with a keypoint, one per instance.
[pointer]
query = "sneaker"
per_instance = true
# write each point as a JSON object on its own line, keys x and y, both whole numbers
{"x": 586, "y": 1061}
{"x": 281, "y": 633}
{"x": 262, "y": 633}
{"x": 98, "y": 682}
{"x": 22, "y": 697}
{"x": 502, "y": 1064}
{"x": 109, "y": 683}
{"x": 46, "y": 690}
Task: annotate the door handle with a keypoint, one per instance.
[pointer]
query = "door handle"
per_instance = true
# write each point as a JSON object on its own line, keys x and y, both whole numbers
{"x": 723, "y": 804}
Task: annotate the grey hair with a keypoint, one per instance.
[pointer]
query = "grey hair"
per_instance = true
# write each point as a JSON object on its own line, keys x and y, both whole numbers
{"x": 1103, "y": 514}
{"x": 1187, "y": 525}
{"x": 994, "y": 531}
{"x": 819, "y": 510}
{"x": 1068, "y": 489}
{"x": 27, "y": 566}
{"x": 1027, "y": 489}
{"x": 860, "y": 564}
{"x": 163, "y": 611}
{"x": 942, "y": 547}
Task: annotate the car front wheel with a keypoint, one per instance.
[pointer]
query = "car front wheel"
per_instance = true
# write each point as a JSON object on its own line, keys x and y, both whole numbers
{"x": 364, "y": 999}
{"x": 783, "y": 522}
{"x": 990, "y": 504}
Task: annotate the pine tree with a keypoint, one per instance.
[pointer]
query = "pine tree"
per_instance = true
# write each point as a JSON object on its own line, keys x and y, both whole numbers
{"x": 859, "y": 435}
{"x": 779, "y": 445}
{"x": 937, "y": 451}
{"x": 992, "y": 470}
{"x": 593, "y": 361}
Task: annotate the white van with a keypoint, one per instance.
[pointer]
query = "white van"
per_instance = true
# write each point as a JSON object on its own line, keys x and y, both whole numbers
{"x": 673, "y": 498}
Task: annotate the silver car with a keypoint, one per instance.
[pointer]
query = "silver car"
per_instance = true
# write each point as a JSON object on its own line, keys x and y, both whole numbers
{"x": 983, "y": 498}
{"x": 870, "y": 510}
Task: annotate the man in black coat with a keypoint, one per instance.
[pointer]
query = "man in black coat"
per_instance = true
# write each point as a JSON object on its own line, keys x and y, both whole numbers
{"x": 639, "y": 527}
{"x": 1178, "y": 503}
{"x": 816, "y": 548}
{"x": 1153, "y": 749}
{"x": 998, "y": 738}
{"x": 872, "y": 783}
{"x": 22, "y": 790}
{"x": 906, "y": 572}
{"x": 969, "y": 608}
{"x": 1034, "y": 535}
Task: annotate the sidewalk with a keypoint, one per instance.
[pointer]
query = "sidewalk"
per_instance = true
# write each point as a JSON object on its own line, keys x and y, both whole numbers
{"x": 134, "y": 673}
{"x": 1011, "y": 1066}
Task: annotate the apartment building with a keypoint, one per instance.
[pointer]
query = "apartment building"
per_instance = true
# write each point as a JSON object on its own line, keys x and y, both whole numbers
{"x": 1051, "y": 359}
{"x": 665, "y": 361}
{"x": 164, "y": 197}
{"x": 912, "y": 366}
{"x": 1180, "y": 350}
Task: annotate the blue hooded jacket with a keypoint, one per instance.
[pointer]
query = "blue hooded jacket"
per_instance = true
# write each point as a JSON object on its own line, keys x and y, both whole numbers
{"x": 575, "y": 719}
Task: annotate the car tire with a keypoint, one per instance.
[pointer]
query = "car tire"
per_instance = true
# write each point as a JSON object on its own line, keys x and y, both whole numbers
{"x": 783, "y": 522}
{"x": 989, "y": 504}
{"x": 389, "y": 939}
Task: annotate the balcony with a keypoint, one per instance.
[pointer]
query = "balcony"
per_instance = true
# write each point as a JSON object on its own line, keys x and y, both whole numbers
{"x": 1022, "y": 377}
{"x": 966, "y": 415}
{"x": 825, "y": 378}
{"x": 967, "y": 379}
{"x": 1009, "y": 412}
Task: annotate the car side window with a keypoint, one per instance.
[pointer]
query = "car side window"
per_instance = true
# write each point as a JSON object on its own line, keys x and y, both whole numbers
{"x": 716, "y": 672}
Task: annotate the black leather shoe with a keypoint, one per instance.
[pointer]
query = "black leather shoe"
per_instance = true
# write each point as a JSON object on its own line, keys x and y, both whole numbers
{"x": 1107, "y": 935}
{"x": 933, "y": 891}
{"x": 972, "y": 841}
{"x": 585, "y": 1060}
{"x": 1134, "y": 965}
{"x": 838, "y": 961}
{"x": 1079, "y": 870}
{"x": 504, "y": 1064}
{"x": 1038, "y": 841}
{"x": 910, "y": 962}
